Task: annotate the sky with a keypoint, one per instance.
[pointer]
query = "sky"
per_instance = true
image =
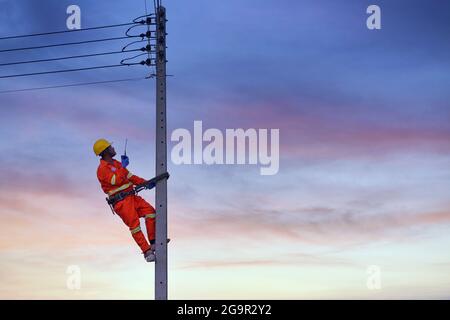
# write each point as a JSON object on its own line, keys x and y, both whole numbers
{"x": 364, "y": 177}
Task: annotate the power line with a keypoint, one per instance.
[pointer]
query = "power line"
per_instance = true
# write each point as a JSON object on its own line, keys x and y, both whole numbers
{"x": 72, "y": 85}
{"x": 148, "y": 28}
{"x": 135, "y": 22}
{"x": 70, "y": 31}
{"x": 72, "y": 57}
{"x": 68, "y": 44}
{"x": 71, "y": 70}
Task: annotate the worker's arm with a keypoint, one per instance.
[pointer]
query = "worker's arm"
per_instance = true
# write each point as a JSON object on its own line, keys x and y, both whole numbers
{"x": 150, "y": 184}
{"x": 135, "y": 179}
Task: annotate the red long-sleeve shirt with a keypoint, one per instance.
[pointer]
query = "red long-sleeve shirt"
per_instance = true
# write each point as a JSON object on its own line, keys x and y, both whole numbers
{"x": 114, "y": 178}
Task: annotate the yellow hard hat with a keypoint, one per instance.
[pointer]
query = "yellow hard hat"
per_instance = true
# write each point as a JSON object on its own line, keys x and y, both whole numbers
{"x": 100, "y": 145}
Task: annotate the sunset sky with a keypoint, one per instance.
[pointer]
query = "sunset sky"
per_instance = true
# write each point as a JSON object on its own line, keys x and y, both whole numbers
{"x": 364, "y": 177}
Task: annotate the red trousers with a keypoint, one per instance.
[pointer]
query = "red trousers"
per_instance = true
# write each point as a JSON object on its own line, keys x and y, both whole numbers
{"x": 130, "y": 210}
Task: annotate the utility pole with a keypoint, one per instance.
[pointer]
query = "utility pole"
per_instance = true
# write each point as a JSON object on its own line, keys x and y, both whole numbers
{"x": 161, "y": 158}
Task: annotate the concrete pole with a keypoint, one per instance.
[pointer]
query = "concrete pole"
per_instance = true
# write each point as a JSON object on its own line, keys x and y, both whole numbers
{"x": 161, "y": 158}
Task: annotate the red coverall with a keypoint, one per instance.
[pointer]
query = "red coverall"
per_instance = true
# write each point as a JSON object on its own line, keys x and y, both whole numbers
{"x": 115, "y": 178}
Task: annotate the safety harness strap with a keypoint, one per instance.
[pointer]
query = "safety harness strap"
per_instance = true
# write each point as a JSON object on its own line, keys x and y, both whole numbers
{"x": 150, "y": 215}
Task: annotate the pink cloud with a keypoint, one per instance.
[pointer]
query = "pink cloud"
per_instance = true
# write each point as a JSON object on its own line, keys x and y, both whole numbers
{"x": 296, "y": 259}
{"x": 320, "y": 132}
{"x": 302, "y": 226}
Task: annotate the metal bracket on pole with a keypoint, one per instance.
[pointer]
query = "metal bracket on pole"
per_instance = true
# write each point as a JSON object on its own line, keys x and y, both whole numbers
{"x": 161, "y": 158}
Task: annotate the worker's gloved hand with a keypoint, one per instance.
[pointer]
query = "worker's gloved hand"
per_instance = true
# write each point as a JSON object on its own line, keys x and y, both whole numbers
{"x": 162, "y": 176}
{"x": 125, "y": 161}
{"x": 150, "y": 185}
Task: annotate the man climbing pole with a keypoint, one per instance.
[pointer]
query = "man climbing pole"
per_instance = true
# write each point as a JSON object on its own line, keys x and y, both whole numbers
{"x": 122, "y": 187}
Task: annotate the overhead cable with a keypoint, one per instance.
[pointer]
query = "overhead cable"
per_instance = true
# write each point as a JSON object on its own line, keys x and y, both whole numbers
{"x": 72, "y": 85}
{"x": 71, "y": 70}
{"x": 74, "y": 30}
{"x": 67, "y": 44}
{"x": 72, "y": 57}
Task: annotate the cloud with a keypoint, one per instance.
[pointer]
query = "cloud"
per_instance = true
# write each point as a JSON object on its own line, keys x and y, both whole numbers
{"x": 337, "y": 99}
{"x": 320, "y": 130}
{"x": 93, "y": 112}
{"x": 335, "y": 227}
{"x": 293, "y": 259}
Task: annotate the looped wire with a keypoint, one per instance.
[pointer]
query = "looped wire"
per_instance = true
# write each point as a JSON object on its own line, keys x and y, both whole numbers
{"x": 131, "y": 43}
{"x": 144, "y": 16}
{"x": 147, "y": 34}
{"x": 144, "y": 62}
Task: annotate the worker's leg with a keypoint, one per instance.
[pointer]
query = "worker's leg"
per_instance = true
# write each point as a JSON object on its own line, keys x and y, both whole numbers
{"x": 146, "y": 210}
{"x": 127, "y": 210}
